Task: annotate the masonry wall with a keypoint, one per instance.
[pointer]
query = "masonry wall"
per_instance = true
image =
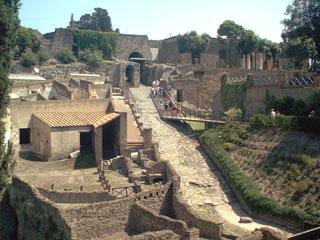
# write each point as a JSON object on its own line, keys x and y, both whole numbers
{"x": 38, "y": 217}
{"x": 256, "y": 95}
{"x": 128, "y": 44}
{"x": 65, "y": 140}
{"x": 150, "y": 221}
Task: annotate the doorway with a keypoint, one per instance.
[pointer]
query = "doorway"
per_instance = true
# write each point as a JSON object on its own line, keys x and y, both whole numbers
{"x": 86, "y": 142}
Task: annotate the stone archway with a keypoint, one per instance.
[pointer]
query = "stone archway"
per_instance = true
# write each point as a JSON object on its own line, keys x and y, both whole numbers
{"x": 130, "y": 74}
{"x": 137, "y": 57}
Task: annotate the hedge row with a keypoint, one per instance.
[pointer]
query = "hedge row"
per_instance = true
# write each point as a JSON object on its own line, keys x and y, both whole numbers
{"x": 247, "y": 189}
{"x": 301, "y": 123}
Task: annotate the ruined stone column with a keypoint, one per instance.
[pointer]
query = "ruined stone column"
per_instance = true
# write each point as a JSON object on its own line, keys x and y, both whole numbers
{"x": 248, "y": 62}
{"x": 316, "y": 80}
{"x": 253, "y": 62}
{"x": 147, "y": 137}
{"x": 259, "y": 61}
{"x": 243, "y": 62}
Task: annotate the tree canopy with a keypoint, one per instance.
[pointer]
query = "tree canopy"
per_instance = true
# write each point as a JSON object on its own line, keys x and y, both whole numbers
{"x": 27, "y": 38}
{"x": 99, "y": 20}
{"x": 230, "y": 30}
{"x": 303, "y": 24}
{"x": 193, "y": 43}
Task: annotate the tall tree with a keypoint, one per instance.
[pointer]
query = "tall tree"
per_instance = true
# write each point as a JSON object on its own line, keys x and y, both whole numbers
{"x": 9, "y": 23}
{"x": 248, "y": 42}
{"x": 230, "y": 30}
{"x": 99, "y": 20}
{"x": 303, "y": 22}
{"x": 193, "y": 43}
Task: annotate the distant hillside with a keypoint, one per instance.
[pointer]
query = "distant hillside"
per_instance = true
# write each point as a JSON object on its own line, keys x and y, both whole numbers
{"x": 284, "y": 165}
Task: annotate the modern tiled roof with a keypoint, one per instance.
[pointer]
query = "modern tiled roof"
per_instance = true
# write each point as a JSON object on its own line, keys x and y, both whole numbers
{"x": 75, "y": 119}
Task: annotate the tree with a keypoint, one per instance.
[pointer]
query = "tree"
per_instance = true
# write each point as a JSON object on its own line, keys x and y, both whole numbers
{"x": 65, "y": 56}
{"x": 230, "y": 30}
{"x": 27, "y": 38}
{"x": 28, "y": 58}
{"x": 9, "y": 23}
{"x": 99, "y": 20}
{"x": 303, "y": 22}
{"x": 300, "y": 50}
{"x": 193, "y": 43}
{"x": 248, "y": 42}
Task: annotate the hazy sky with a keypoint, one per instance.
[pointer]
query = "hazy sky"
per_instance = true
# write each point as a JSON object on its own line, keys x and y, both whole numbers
{"x": 161, "y": 18}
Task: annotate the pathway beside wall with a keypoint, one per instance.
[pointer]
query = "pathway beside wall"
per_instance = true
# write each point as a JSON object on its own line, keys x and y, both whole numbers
{"x": 201, "y": 185}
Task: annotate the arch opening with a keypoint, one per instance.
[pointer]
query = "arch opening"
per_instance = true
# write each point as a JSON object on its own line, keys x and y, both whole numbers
{"x": 130, "y": 73}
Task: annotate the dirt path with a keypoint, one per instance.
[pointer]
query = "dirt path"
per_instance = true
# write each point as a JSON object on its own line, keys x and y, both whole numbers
{"x": 201, "y": 185}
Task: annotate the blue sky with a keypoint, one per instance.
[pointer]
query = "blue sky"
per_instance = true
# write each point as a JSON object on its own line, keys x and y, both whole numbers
{"x": 161, "y": 18}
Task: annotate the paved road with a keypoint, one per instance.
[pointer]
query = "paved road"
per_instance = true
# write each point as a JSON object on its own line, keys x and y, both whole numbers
{"x": 201, "y": 185}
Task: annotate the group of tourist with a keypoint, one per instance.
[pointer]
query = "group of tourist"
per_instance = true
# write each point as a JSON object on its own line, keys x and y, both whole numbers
{"x": 274, "y": 113}
{"x": 156, "y": 89}
{"x": 166, "y": 107}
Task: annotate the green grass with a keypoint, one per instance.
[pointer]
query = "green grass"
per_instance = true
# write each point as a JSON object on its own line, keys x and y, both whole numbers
{"x": 196, "y": 126}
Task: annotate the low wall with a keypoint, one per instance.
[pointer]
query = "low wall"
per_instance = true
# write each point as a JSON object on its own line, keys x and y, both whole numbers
{"x": 149, "y": 221}
{"x": 207, "y": 229}
{"x": 38, "y": 217}
{"x": 156, "y": 235}
{"x": 75, "y": 197}
{"x": 267, "y": 217}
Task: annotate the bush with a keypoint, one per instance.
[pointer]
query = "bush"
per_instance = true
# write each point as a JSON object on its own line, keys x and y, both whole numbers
{"x": 301, "y": 123}
{"x": 233, "y": 114}
{"x": 65, "y": 56}
{"x": 43, "y": 56}
{"x": 28, "y": 59}
{"x": 92, "y": 58}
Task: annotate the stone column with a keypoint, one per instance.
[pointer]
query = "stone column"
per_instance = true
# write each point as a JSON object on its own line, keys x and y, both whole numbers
{"x": 123, "y": 131}
{"x": 147, "y": 137}
{"x": 259, "y": 61}
{"x": 316, "y": 80}
{"x": 243, "y": 62}
{"x": 253, "y": 62}
{"x": 248, "y": 62}
{"x": 98, "y": 144}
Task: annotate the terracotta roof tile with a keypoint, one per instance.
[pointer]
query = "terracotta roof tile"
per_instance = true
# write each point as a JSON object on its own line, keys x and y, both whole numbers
{"x": 75, "y": 119}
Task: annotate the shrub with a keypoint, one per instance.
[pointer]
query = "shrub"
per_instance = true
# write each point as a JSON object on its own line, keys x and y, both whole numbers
{"x": 291, "y": 122}
{"x": 65, "y": 56}
{"x": 92, "y": 58}
{"x": 233, "y": 114}
{"x": 28, "y": 59}
{"x": 43, "y": 56}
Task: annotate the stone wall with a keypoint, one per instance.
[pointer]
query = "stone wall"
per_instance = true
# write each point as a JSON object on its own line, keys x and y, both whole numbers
{"x": 75, "y": 197}
{"x": 128, "y": 44}
{"x": 157, "y": 235}
{"x": 38, "y": 217}
{"x": 40, "y": 139}
{"x": 150, "y": 221}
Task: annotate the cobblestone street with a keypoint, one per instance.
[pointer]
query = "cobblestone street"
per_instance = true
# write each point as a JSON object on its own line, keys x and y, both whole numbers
{"x": 201, "y": 185}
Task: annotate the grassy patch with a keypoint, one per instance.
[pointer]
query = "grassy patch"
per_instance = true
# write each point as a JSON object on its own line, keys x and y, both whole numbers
{"x": 85, "y": 161}
{"x": 196, "y": 126}
{"x": 219, "y": 139}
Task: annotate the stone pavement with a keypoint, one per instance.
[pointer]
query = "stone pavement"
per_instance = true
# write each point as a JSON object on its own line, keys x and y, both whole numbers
{"x": 201, "y": 185}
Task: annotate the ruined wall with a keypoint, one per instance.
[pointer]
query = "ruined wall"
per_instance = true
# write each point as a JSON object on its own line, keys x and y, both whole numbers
{"x": 59, "y": 91}
{"x": 128, "y": 44}
{"x": 62, "y": 38}
{"x": 65, "y": 140}
{"x": 38, "y": 217}
{"x": 255, "y": 98}
{"x": 157, "y": 235}
{"x": 150, "y": 221}
{"x": 75, "y": 197}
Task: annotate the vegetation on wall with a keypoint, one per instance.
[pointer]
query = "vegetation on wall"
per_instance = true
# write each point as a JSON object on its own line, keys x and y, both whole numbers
{"x": 94, "y": 40}
{"x": 223, "y": 138}
{"x": 233, "y": 94}
{"x": 193, "y": 43}
{"x": 28, "y": 58}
